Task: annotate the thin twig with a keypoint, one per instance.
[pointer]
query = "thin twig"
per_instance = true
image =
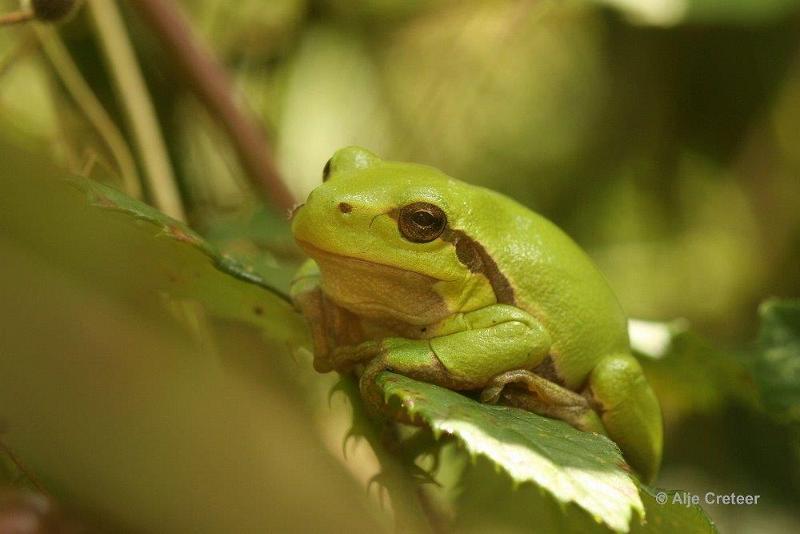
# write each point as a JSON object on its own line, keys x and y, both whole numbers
{"x": 16, "y": 17}
{"x": 95, "y": 113}
{"x": 207, "y": 79}
{"x": 25, "y": 45}
{"x": 34, "y": 481}
{"x": 135, "y": 98}
{"x": 88, "y": 165}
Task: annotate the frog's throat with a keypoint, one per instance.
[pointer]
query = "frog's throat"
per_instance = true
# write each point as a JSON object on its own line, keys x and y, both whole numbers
{"x": 320, "y": 254}
{"x": 379, "y": 291}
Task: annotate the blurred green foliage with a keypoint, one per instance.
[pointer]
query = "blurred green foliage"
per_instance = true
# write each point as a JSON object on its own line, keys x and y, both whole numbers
{"x": 662, "y": 134}
{"x": 111, "y": 360}
{"x": 777, "y": 367}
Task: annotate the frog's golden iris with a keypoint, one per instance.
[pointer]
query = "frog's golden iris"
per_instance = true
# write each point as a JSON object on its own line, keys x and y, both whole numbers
{"x": 421, "y": 222}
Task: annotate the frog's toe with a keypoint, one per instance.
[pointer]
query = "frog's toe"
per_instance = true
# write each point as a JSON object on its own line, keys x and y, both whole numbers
{"x": 491, "y": 394}
{"x": 322, "y": 364}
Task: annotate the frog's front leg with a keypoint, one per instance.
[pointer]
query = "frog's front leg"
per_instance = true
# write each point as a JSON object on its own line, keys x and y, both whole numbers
{"x": 331, "y": 326}
{"x": 463, "y": 352}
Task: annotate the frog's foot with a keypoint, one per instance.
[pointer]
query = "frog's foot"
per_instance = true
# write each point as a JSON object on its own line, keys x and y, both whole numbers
{"x": 527, "y": 390}
{"x": 541, "y": 388}
{"x": 410, "y": 357}
{"x": 629, "y": 410}
{"x": 370, "y": 393}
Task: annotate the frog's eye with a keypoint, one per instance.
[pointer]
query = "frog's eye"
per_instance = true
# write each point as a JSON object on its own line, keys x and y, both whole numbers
{"x": 326, "y": 171}
{"x": 421, "y": 222}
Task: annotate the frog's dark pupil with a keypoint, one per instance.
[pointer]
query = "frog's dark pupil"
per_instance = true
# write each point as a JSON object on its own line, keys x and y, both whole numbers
{"x": 423, "y": 218}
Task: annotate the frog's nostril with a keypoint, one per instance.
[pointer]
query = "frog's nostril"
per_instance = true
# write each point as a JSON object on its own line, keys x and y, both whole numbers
{"x": 344, "y": 207}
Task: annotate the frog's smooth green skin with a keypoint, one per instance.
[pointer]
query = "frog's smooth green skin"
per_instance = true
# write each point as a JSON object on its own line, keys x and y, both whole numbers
{"x": 457, "y": 285}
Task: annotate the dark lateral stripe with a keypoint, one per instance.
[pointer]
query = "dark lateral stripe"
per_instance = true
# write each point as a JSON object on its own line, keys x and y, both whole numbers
{"x": 474, "y": 256}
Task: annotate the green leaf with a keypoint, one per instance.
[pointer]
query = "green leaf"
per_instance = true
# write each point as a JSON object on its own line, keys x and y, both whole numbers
{"x": 244, "y": 295}
{"x": 158, "y": 253}
{"x": 516, "y": 510}
{"x": 672, "y": 515}
{"x": 573, "y": 466}
{"x": 121, "y": 411}
{"x": 689, "y": 375}
{"x": 777, "y": 366}
{"x": 259, "y": 238}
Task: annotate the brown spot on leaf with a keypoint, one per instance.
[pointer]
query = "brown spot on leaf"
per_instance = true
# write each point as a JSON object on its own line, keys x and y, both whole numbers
{"x": 625, "y": 467}
{"x": 102, "y": 201}
{"x": 181, "y": 234}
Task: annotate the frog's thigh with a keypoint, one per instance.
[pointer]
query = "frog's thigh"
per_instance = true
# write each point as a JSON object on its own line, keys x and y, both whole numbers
{"x": 469, "y": 349}
{"x": 477, "y": 355}
{"x": 630, "y": 411}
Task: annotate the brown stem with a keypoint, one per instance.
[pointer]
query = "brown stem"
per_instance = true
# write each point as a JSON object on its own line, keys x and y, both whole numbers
{"x": 4, "y": 449}
{"x": 209, "y": 82}
{"x": 15, "y": 17}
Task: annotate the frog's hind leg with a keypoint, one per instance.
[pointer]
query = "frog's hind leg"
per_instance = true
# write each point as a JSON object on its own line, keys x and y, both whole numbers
{"x": 529, "y": 391}
{"x": 629, "y": 410}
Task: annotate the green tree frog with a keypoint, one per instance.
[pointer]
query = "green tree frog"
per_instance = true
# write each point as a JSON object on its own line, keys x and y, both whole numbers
{"x": 453, "y": 284}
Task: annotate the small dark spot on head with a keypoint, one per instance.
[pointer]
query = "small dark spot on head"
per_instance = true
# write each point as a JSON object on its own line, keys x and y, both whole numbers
{"x": 344, "y": 207}
{"x": 424, "y": 329}
{"x": 258, "y": 310}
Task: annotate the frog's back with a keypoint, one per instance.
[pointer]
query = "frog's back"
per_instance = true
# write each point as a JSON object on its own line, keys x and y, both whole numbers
{"x": 553, "y": 279}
